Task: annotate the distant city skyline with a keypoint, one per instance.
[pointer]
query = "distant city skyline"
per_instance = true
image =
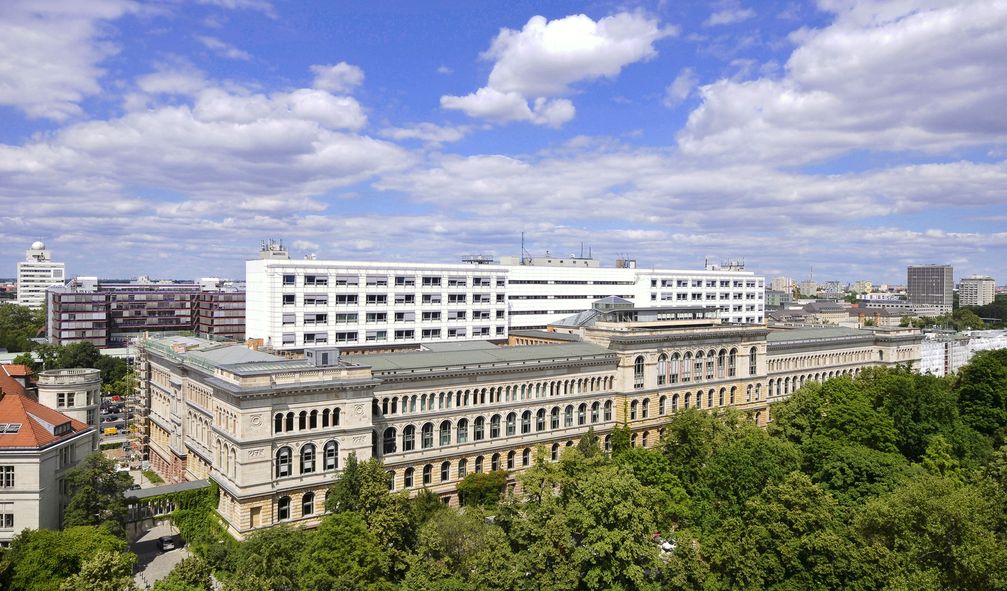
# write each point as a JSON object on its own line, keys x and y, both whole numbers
{"x": 167, "y": 139}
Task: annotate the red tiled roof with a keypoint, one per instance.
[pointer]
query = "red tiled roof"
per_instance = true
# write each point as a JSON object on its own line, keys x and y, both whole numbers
{"x": 9, "y": 385}
{"x": 16, "y": 370}
{"x": 19, "y": 408}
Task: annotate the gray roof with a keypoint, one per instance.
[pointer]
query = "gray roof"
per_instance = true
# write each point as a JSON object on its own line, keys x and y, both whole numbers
{"x": 457, "y": 346}
{"x": 154, "y": 491}
{"x": 585, "y": 318}
{"x": 389, "y": 362}
{"x": 802, "y": 334}
{"x": 233, "y": 354}
{"x": 545, "y": 334}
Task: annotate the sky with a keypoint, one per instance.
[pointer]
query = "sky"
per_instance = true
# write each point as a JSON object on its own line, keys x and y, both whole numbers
{"x": 168, "y": 138}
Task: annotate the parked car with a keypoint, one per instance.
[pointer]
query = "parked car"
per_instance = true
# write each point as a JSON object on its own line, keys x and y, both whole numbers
{"x": 134, "y": 487}
{"x": 110, "y": 431}
{"x": 165, "y": 543}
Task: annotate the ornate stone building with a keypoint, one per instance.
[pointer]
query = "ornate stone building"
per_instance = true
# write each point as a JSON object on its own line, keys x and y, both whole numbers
{"x": 275, "y": 432}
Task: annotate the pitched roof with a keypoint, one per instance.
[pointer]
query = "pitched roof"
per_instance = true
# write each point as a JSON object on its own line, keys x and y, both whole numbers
{"x": 16, "y": 370}
{"x": 9, "y": 385}
{"x": 39, "y": 425}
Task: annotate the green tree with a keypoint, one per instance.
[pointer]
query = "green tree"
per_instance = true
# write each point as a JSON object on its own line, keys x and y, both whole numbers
{"x": 360, "y": 487}
{"x": 105, "y": 571}
{"x": 478, "y": 488}
{"x": 982, "y": 392}
{"x": 97, "y": 494}
{"x": 689, "y": 440}
{"x": 269, "y": 556}
{"x": 588, "y": 444}
{"x": 18, "y": 325}
{"x": 40, "y": 560}
{"x": 25, "y": 359}
{"x": 343, "y": 554}
{"x": 191, "y": 574}
{"x": 621, "y": 439}
{"x": 937, "y": 459}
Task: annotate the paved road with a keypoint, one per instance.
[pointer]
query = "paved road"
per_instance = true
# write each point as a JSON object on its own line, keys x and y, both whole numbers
{"x": 152, "y": 564}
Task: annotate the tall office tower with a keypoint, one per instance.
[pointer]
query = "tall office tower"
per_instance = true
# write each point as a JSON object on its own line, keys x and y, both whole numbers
{"x": 976, "y": 291}
{"x": 931, "y": 285}
{"x": 35, "y": 274}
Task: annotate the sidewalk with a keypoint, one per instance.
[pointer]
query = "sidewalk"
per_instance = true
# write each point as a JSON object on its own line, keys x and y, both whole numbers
{"x": 153, "y": 565}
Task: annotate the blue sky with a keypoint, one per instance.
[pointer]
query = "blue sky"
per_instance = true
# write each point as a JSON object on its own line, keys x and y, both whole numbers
{"x": 168, "y": 138}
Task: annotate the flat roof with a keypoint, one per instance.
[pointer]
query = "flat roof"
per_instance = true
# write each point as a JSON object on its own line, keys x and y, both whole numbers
{"x": 154, "y": 491}
{"x": 803, "y": 334}
{"x": 476, "y": 357}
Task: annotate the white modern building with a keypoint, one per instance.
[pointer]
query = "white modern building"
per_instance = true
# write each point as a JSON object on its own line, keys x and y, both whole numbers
{"x": 36, "y": 273}
{"x": 297, "y": 304}
{"x": 976, "y": 291}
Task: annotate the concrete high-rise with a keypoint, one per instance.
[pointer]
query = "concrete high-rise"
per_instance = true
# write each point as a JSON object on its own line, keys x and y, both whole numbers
{"x": 37, "y": 272}
{"x": 976, "y": 291}
{"x": 931, "y": 285}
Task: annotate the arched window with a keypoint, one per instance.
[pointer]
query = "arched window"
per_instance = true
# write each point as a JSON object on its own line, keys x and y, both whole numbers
{"x": 662, "y": 405}
{"x": 278, "y": 422}
{"x": 721, "y": 399}
{"x": 686, "y": 367}
{"x": 526, "y": 457}
{"x": 540, "y": 420}
{"x": 608, "y": 410}
{"x": 608, "y": 443}
{"x": 407, "y": 480}
{"x": 511, "y": 423}
{"x": 388, "y": 441}
{"x": 391, "y": 481}
{"x": 495, "y": 427}
{"x": 748, "y": 393}
{"x": 445, "y": 471}
{"x": 634, "y": 439}
{"x": 674, "y": 368}
{"x": 646, "y": 435}
{"x": 646, "y": 408}
{"x": 688, "y": 399}
{"x": 313, "y": 420}
{"x": 734, "y": 390}
{"x": 478, "y": 429}
{"x": 555, "y": 452}
{"x": 638, "y": 372}
{"x": 290, "y": 421}
{"x": 698, "y": 367}
{"x": 699, "y": 399}
{"x": 510, "y": 460}
{"x": 428, "y": 474}
{"x": 462, "y": 431}
{"x": 595, "y": 407}
{"x": 283, "y": 509}
{"x": 463, "y": 466}
{"x": 283, "y": 462}
{"x": 526, "y": 422}
{"x": 758, "y": 391}
{"x": 302, "y": 420}
{"x": 662, "y": 369}
{"x": 325, "y": 417}
{"x": 308, "y": 459}
{"x": 554, "y": 418}
{"x": 479, "y": 464}
{"x": 308, "y": 504}
{"x": 582, "y": 414}
{"x": 331, "y": 455}
{"x": 408, "y": 438}
{"x": 753, "y": 361}
{"x": 633, "y": 406}
{"x": 674, "y": 403}
{"x": 335, "y": 418}
{"x": 427, "y": 436}
{"x": 732, "y": 363}
{"x": 721, "y": 362}
{"x": 568, "y": 416}
{"x": 445, "y": 432}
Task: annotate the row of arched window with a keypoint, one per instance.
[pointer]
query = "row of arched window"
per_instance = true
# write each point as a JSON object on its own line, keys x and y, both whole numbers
{"x": 821, "y": 360}
{"x": 283, "y": 506}
{"x": 497, "y": 426}
{"x": 640, "y": 409}
{"x": 309, "y": 462}
{"x": 788, "y": 385}
{"x": 305, "y": 420}
{"x": 409, "y": 404}
{"x": 694, "y": 367}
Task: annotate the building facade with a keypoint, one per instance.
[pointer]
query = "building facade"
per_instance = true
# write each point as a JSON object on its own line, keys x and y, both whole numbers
{"x": 35, "y": 274}
{"x": 297, "y": 304}
{"x": 75, "y": 392}
{"x": 976, "y": 291}
{"x": 38, "y": 446}
{"x": 931, "y": 285}
{"x": 273, "y": 431}
{"x": 110, "y": 314}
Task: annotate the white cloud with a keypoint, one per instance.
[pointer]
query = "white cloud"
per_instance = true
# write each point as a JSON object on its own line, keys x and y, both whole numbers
{"x": 883, "y": 76}
{"x": 52, "y": 51}
{"x": 223, "y": 49}
{"x": 340, "y": 78}
{"x": 263, "y": 6}
{"x": 444, "y": 70}
{"x": 545, "y": 58}
{"x": 426, "y": 132}
{"x": 180, "y": 81}
{"x": 680, "y": 88}
{"x": 729, "y": 17}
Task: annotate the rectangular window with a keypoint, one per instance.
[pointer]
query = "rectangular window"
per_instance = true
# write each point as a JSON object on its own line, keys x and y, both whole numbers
{"x": 346, "y": 337}
{"x": 289, "y": 299}
{"x": 480, "y": 298}
{"x": 500, "y": 298}
{"x": 345, "y": 299}
{"x": 405, "y": 298}
{"x": 347, "y": 280}
{"x": 457, "y": 315}
{"x": 457, "y": 282}
{"x": 377, "y": 317}
{"x": 431, "y": 333}
{"x": 289, "y": 338}
{"x": 457, "y": 298}
{"x": 457, "y": 333}
{"x": 405, "y": 317}
{"x": 313, "y": 338}
{"x": 314, "y": 319}
{"x": 406, "y": 281}
{"x": 481, "y": 282}
{"x": 319, "y": 299}
{"x": 481, "y": 331}
{"x": 377, "y": 281}
{"x": 377, "y": 335}
{"x": 431, "y": 281}
{"x": 316, "y": 280}
{"x": 289, "y": 279}
{"x": 431, "y": 316}
{"x": 500, "y": 330}
{"x": 60, "y": 400}
{"x": 350, "y": 318}
{"x": 6, "y": 476}
{"x": 431, "y": 298}
{"x": 377, "y": 298}
{"x": 480, "y": 315}
{"x": 404, "y": 334}
{"x": 289, "y": 319}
